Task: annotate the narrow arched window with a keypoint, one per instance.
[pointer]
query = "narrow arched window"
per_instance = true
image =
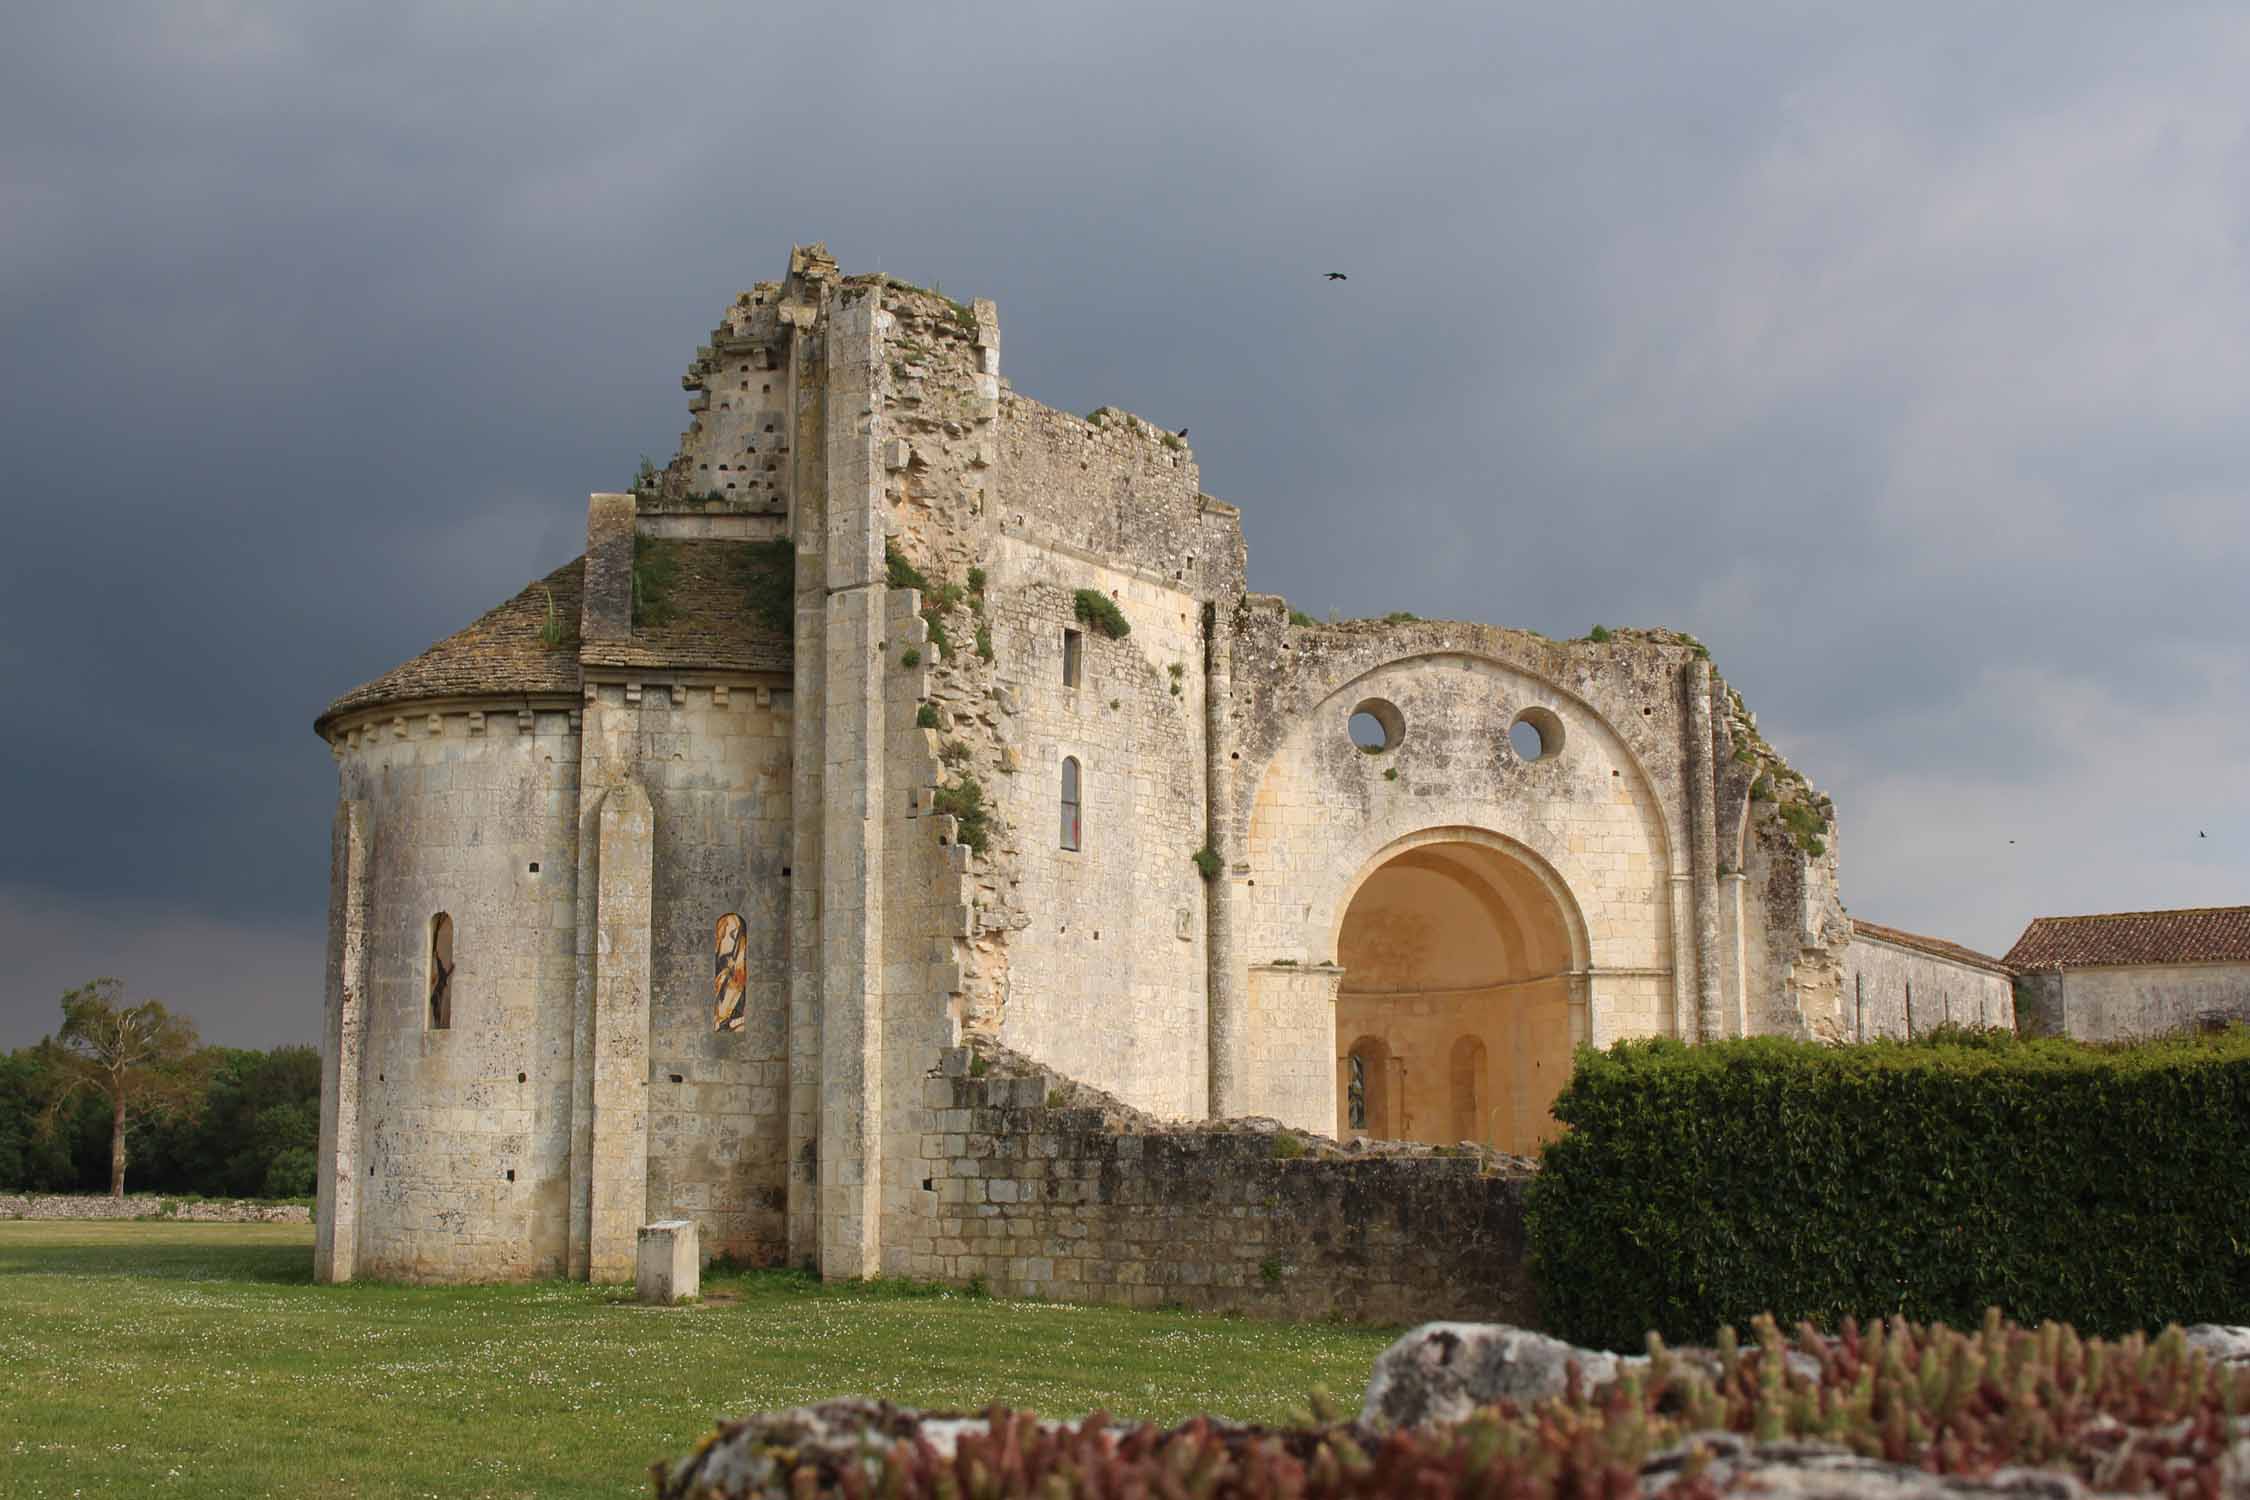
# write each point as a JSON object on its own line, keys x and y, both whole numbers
{"x": 1070, "y": 817}
{"x": 441, "y": 972}
{"x": 730, "y": 972}
{"x": 1366, "y": 1085}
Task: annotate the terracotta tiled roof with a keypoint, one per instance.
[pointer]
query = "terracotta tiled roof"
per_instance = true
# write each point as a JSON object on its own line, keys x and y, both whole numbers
{"x": 715, "y": 621}
{"x": 2192, "y": 935}
{"x": 501, "y": 653}
{"x": 1935, "y": 947}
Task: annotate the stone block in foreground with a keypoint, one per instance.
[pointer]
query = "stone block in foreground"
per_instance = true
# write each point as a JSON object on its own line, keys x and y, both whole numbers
{"x": 667, "y": 1266}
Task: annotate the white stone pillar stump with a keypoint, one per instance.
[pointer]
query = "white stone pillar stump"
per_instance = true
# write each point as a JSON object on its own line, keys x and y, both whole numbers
{"x": 667, "y": 1265}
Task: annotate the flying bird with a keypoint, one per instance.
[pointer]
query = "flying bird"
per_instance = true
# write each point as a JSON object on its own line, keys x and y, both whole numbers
{"x": 1338, "y": 276}
{"x": 2199, "y": 833}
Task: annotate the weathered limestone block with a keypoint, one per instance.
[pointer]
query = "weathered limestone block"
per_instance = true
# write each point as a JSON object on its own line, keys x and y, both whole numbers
{"x": 2228, "y": 1345}
{"x": 667, "y": 1266}
{"x": 1440, "y": 1372}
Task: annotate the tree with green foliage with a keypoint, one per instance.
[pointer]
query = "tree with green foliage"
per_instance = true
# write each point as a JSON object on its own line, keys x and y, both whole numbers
{"x": 29, "y": 1157}
{"x": 139, "y": 1059}
{"x": 258, "y": 1109}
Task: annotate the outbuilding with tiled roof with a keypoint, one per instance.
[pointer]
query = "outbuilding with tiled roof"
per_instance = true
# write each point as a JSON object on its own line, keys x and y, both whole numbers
{"x": 2117, "y": 975}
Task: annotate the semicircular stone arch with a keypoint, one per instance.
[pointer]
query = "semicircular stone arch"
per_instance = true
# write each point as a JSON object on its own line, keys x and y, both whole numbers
{"x": 1325, "y": 814}
{"x": 1460, "y": 949}
{"x": 1328, "y": 915}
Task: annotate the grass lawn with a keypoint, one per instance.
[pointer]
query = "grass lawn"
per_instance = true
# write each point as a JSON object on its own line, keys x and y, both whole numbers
{"x": 199, "y": 1359}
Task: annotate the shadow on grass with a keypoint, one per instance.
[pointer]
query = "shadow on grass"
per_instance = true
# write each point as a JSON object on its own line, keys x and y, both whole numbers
{"x": 153, "y": 1257}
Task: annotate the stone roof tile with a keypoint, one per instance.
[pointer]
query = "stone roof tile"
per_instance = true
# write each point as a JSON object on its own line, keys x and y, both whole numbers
{"x": 727, "y": 609}
{"x": 502, "y": 653}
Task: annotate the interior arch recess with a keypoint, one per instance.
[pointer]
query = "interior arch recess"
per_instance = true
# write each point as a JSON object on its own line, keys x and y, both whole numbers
{"x": 1454, "y": 951}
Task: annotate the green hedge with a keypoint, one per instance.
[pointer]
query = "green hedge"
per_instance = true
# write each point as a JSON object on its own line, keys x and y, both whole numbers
{"x": 1698, "y": 1186}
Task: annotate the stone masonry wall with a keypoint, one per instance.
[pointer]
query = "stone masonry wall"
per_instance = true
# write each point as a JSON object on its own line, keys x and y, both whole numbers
{"x": 1894, "y": 991}
{"x": 2130, "y": 1001}
{"x": 715, "y": 763}
{"x": 464, "y": 1153}
{"x": 1677, "y": 930}
{"x": 1045, "y": 1189}
{"x": 1106, "y": 970}
{"x": 1319, "y": 810}
{"x": 1110, "y": 487}
{"x": 1109, "y": 956}
{"x": 734, "y": 458}
{"x": 1292, "y": 1011}
{"x": 148, "y": 1206}
{"x": 1041, "y": 504}
{"x": 918, "y": 473}
{"x": 1786, "y": 931}
{"x": 925, "y": 926}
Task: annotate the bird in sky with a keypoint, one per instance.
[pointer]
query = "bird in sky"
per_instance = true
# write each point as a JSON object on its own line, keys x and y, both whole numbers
{"x": 2199, "y": 833}
{"x": 1337, "y": 276}
{"x": 1183, "y": 432}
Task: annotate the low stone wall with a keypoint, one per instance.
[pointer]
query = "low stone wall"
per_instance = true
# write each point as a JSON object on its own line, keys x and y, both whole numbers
{"x": 1043, "y": 1188}
{"x": 148, "y": 1206}
{"x": 1897, "y": 984}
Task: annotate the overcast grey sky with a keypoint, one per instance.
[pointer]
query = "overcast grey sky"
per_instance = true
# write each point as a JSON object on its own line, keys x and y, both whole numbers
{"x": 1900, "y": 352}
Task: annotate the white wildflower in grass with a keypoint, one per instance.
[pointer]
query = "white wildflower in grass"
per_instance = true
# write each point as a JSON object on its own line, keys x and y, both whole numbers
{"x": 198, "y": 1357}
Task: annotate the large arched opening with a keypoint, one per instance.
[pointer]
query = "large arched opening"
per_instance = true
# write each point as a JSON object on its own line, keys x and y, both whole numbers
{"x": 1459, "y": 965}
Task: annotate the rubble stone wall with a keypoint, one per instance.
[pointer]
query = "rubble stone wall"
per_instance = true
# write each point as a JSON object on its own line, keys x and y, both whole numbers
{"x": 1045, "y": 1190}
{"x": 148, "y": 1206}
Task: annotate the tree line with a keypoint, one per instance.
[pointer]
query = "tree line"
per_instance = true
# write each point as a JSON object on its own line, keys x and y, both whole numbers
{"x": 126, "y": 1091}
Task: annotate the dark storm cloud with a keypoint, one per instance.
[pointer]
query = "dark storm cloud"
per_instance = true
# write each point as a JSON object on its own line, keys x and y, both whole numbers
{"x": 1896, "y": 354}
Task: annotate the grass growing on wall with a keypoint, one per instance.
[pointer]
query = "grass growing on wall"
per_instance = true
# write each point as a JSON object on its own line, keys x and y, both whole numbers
{"x": 1095, "y": 608}
{"x": 938, "y": 596}
{"x": 198, "y": 1359}
{"x": 656, "y": 568}
{"x": 965, "y": 801}
{"x": 769, "y": 581}
{"x": 1698, "y": 1186}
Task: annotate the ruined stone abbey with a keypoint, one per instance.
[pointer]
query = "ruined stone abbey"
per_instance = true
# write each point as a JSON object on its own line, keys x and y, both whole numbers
{"x": 899, "y": 717}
